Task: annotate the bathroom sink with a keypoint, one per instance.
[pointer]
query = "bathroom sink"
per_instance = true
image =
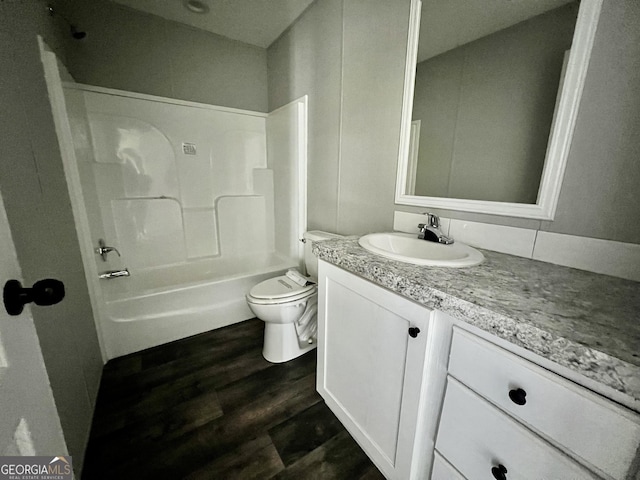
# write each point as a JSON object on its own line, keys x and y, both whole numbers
{"x": 408, "y": 248}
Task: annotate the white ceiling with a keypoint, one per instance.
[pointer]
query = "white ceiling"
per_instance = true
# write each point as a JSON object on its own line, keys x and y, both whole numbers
{"x": 257, "y": 22}
{"x": 447, "y": 24}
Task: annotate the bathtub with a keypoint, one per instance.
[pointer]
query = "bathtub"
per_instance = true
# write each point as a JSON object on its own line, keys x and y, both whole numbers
{"x": 160, "y": 305}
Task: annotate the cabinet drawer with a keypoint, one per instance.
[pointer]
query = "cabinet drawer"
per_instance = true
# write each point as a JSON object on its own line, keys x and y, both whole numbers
{"x": 442, "y": 470}
{"x": 475, "y": 437}
{"x": 589, "y": 426}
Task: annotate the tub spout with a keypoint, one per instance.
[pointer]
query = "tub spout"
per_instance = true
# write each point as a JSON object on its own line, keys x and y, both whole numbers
{"x": 114, "y": 274}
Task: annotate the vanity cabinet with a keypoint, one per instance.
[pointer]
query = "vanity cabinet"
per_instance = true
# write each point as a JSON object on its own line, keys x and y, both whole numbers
{"x": 429, "y": 396}
{"x": 371, "y": 363}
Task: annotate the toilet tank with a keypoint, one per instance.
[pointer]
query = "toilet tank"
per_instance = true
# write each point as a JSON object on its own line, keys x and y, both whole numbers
{"x": 310, "y": 260}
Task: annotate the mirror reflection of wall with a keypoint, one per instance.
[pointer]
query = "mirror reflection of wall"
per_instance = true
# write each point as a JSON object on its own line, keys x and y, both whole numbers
{"x": 486, "y": 110}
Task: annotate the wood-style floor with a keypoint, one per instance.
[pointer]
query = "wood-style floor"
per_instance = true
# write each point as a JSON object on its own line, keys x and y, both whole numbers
{"x": 210, "y": 407}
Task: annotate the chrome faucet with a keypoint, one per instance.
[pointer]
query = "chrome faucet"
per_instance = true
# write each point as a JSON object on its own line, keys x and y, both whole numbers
{"x": 431, "y": 232}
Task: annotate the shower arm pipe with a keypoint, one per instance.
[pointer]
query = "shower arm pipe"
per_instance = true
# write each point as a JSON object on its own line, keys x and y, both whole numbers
{"x": 75, "y": 33}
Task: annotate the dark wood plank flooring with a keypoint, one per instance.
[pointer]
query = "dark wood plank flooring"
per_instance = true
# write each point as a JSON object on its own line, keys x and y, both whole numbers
{"x": 210, "y": 407}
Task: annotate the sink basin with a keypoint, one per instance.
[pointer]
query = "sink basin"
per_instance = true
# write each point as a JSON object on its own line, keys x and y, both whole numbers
{"x": 408, "y": 248}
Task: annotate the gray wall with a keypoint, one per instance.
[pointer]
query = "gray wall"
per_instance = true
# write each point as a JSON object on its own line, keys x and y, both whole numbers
{"x": 600, "y": 197}
{"x": 307, "y": 60}
{"x": 35, "y": 195}
{"x": 600, "y": 194}
{"x": 374, "y": 51}
{"x": 348, "y": 56}
{"x": 486, "y": 109}
{"x": 130, "y": 50}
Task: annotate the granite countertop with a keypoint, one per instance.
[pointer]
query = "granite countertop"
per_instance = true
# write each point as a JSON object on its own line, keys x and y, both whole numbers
{"x": 587, "y": 322}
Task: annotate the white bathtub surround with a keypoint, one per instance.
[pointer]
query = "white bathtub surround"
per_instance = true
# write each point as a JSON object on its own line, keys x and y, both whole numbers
{"x": 287, "y": 159}
{"x": 168, "y": 176}
{"x": 607, "y": 257}
{"x": 186, "y": 193}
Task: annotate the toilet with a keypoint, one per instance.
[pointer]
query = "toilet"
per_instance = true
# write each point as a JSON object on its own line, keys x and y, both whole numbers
{"x": 288, "y": 309}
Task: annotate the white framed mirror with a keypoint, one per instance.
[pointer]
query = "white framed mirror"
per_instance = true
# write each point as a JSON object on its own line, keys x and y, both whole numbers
{"x": 496, "y": 98}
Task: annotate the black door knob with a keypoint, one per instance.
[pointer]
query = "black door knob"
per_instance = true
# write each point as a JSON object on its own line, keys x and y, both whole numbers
{"x": 518, "y": 396}
{"x": 413, "y": 332}
{"x": 499, "y": 472}
{"x": 44, "y": 292}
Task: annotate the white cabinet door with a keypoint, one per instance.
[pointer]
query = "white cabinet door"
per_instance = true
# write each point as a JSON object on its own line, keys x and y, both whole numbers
{"x": 371, "y": 365}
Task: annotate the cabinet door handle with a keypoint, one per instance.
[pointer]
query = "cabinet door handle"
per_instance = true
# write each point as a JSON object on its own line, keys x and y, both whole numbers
{"x": 499, "y": 472}
{"x": 518, "y": 396}
{"x": 413, "y": 332}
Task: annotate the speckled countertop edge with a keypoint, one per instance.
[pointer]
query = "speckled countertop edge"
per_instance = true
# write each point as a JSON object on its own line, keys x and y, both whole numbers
{"x": 583, "y": 321}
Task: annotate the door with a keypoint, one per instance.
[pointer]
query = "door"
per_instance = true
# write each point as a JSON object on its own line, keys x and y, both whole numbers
{"x": 29, "y": 422}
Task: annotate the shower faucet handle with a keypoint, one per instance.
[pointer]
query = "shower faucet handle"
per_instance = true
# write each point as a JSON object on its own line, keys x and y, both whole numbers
{"x": 103, "y": 250}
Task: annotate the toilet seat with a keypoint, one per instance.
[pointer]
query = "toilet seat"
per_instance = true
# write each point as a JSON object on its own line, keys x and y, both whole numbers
{"x": 279, "y": 290}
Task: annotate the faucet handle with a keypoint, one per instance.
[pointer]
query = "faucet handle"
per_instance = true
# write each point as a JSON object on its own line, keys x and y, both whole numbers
{"x": 423, "y": 230}
{"x": 432, "y": 219}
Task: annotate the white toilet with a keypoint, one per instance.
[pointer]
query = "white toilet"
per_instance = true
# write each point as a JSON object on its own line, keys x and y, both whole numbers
{"x": 288, "y": 309}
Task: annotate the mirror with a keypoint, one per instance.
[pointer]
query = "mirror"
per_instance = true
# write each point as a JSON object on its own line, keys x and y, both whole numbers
{"x": 492, "y": 89}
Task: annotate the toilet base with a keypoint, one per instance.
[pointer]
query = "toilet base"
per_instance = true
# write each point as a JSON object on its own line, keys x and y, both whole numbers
{"x": 281, "y": 343}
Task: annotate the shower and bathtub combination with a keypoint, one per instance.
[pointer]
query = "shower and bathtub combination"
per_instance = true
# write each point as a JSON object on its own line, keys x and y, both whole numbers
{"x": 178, "y": 202}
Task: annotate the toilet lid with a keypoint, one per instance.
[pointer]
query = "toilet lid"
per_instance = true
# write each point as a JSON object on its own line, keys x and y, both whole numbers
{"x": 279, "y": 287}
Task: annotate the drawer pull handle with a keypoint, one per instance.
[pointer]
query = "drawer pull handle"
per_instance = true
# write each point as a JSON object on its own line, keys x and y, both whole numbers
{"x": 413, "y": 332}
{"x": 499, "y": 472}
{"x": 518, "y": 396}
